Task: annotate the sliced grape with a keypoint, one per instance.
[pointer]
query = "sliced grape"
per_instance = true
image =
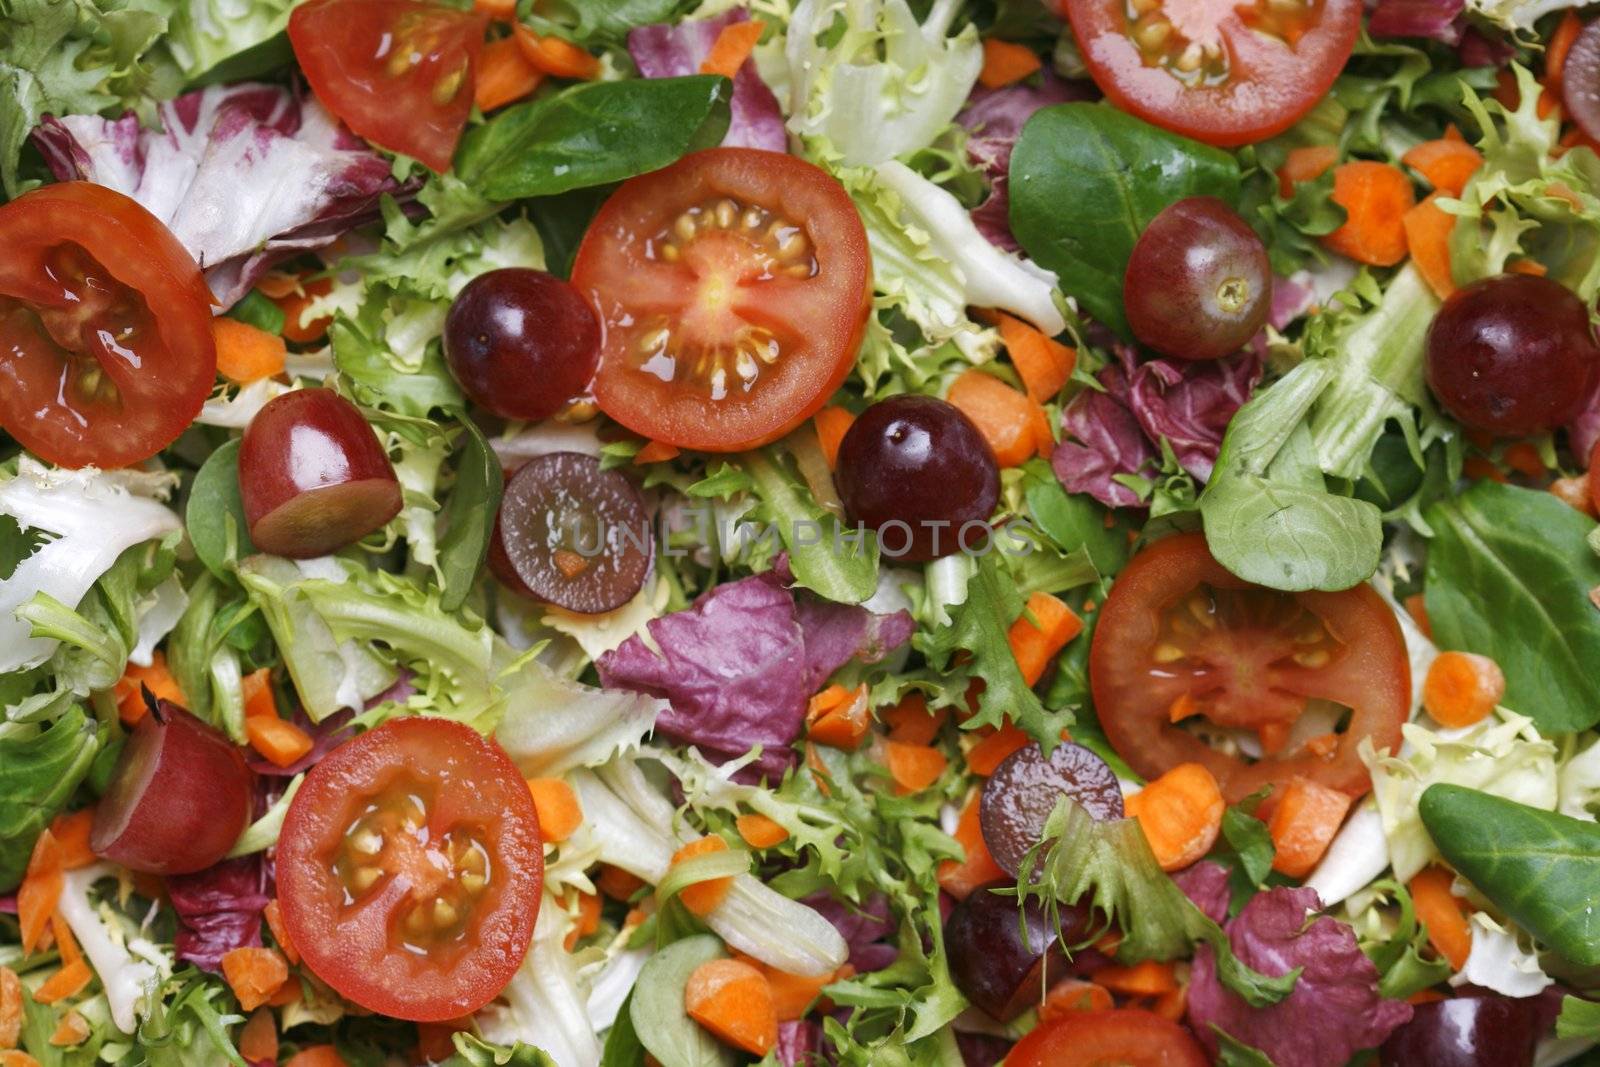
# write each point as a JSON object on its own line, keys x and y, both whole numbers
{"x": 1023, "y": 791}
{"x": 993, "y": 962}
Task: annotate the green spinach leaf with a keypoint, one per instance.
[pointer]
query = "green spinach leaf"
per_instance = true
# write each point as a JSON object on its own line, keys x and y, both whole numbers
{"x": 215, "y": 513}
{"x": 38, "y": 775}
{"x": 655, "y": 1006}
{"x": 607, "y": 21}
{"x": 1086, "y": 179}
{"x": 1509, "y": 577}
{"x": 469, "y": 517}
{"x": 593, "y": 134}
{"x": 1072, "y": 521}
{"x": 1536, "y": 866}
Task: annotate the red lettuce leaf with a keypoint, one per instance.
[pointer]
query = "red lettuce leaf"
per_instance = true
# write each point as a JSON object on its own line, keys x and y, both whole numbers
{"x": 219, "y": 909}
{"x": 1583, "y": 432}
{"x": 1435, "y": 20}
{"x": 675, "y": 50}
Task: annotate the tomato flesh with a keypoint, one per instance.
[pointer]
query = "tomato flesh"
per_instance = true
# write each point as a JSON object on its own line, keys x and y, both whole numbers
{"x": 1183, "y": 647}
{"x": 1125, "y": 1037}
{"x": 733, "y": 289}
{"x": 106, "y": 352}
{"x": 1219, "y": 71}
{"x": 410, "y": 869}
{"x": 398, "y": 72}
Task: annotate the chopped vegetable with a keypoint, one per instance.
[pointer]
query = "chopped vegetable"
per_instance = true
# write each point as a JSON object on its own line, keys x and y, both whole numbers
{"x": 1442, "y": 914}
{"x": 1462, "y": 688}
{"x": 1180, "y": 814}
{"x": 734, "y": 1001}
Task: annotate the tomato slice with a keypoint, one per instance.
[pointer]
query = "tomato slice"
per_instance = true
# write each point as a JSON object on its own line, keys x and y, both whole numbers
{"x": 1220, "y": 71}
{"x": 398, "y": 72}
{"x": 1182, "y": 643}
{"x": 1125, "y": 1037}
{"x": 105, "y": 328}
{"x": 733, "y": 289}
{"x": 410, "y": 868}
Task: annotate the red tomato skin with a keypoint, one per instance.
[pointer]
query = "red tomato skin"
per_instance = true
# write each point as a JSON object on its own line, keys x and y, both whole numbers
{"x": 1125, "y": 1037}
{"x": 1279, "y": 83}
{"x": 347, "y": 49}
{"x": 176, "y": 366}
{"x": 350, "y": 948}
{"x": 1132, "y": 697}
{"x": 1594, "y": 476}
{"x": 612, "y": 259}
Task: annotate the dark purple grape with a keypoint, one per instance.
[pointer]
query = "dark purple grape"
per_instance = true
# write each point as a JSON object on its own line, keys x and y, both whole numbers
{"x": 1580, "y": 81}
{"x": 1512, "y": 355}
{"x": 1467, "y": 1031}
{"x": 915, "y": 469}
{"x": 989, "y": 960}
{"x": 572, "y": 535}
{"x": 1022, "y": 792}
{"x": 1198, "y": 285}
{"x": 521, "y": 342}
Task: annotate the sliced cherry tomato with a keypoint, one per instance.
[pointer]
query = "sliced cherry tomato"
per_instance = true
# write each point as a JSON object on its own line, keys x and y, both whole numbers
{"x": 105, "y": 328}
{"x": 733, "y": 289}
{"x": 1180, "y": 638}
{"x": 398, "y": 72}
{"x": 1126, "y": 1037}
{"x": 410, "y": 869}
{"x": 1221, "y": 71}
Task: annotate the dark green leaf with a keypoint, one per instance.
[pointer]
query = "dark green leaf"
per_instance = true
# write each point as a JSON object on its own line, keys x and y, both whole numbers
{"x": 1251, "y": 844}
{"x": 562, "y": 221}
{"x": 1073, "y": 521}
{"x": 1509, "y": 577}
{"x": 656, "y": 1006}
{"x": 469, "y": 517}
{"x": 256, "y": 310}
{"x": 1232, "y": 1052}
{"x": 215, "y": 513}
{"x": 1086, "y": 179}
{"x": 38, "y": 775}
{"x": 623, "y": 1047}
{"x": 472, "y": 1051}
{"x": 594, "y": 133}
{"x": 608, "y": 21}
{"x": 1536, "y": 866}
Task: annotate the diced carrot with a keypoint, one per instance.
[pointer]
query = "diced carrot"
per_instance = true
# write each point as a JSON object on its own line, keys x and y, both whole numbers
{"x": 72, "y": 1029}
{"x": 66, "y": 944}
{"x": 793, "y": 994}
{"x": 617, "y": 883}
{"x": 40, "y": 890}
{"x": 1428, "y": 228}
{"x": 977, "y": 867}
{"x": 702, "y": 898}
{"x": 1002, "y": 414}
{"x": 1527, "y": 266}
{"x": 10, "y": 1008}
{"x": 838, "y": 717}
{"x": 273, "y": 913}
{"x": 1044, "y": 628}
{"x": 1425, "y": 996}
{"x": 69, "y": 981}
{"x": 1304, "y": 821}
{"x": 499, "y": 10}
{"x": 986, "y": 755}
{"x": 556, "y": 57}
{"x": 1448, "y": 165}
{"x": 1305, "y": 164}
{"x": 913, "y": 767}
{"x": 1180, "y": 814}
{"x": 758, "y": 831}
{"x": 732, "y": 47}
{"x": 156, "y": 678}
{"x": 1523, "y": 458}
{"x": 588, "y": 919}
{"x": 258, "y": 699}
{"x": 504, "y": 75}
{"x": 1483, "y": 469}
{"x": 1173, "y": 1004}
{"x": 832, "y": 423}
{"x": 71, "y": 831}
{"x": 733, "y": 1000}
{"x": 280, "y": 743}
{"x": 1006, "y": 62}
{"x": 560, "y": 814}
{"x": 1044, "y": 364}
{"x": 289, "y": 993}
{"x": 1442, "y": 915}
{"x": 1556, "y": 52}
{"x": 1376, "y": 197}
{"x": 1044, "y": 441}
{"x": 258, "y": 1040}
{"x": 655, "y": 452}
{"x": 1575, "y": 491}
{"x": 910, "y": 720}
{"x": 13, "y": 1058}
{"x": 254, "y": 974}
{"x": 246, "y": 353}
{"x": 316, "y": 1056}
{"x": 1417, "y": 608}
{"x": 293, "y": 304}
{"x": 1147, "y": 978}
{"x": 1071, "y": 996}
{"x": 1462, "y": 688}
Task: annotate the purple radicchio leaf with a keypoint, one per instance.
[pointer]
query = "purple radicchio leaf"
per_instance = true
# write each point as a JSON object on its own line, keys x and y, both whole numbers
{"x": 1435, "y": 20}
{"x": 799, "y": 1043}
{"x": 219, "y": 909}
{"x": 1206, "y": 885}
{"x": 674, "y": 51}
{"x": 8, "y": 904}
{"x": 1583, "y": 432}
{"x": 1482, "y": 49}
{"x": 738, "y": 666}
{"x": 244, "y": 175}
{"x": 865, "y": 929}
{"x": 1334, "y": 1010}
{"x": 981, "y": 1050}
{"x": 1189, "y": 403}
{"x": 1101, "y": 440}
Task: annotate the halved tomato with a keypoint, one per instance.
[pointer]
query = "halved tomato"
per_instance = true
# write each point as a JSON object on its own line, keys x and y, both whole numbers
{"x": 410, "y": 868}
{"x": 1183, "y": 647}
{"x": 1125, "y": 1037}
{"x": 733, "y": 289}
{"x": 398, "y": 72}
{"x": 106, "y": 352}
{"x": 1220, "y": 71}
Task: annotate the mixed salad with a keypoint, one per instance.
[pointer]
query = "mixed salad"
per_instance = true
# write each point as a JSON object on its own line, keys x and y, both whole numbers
{"x": 563, "y": 533}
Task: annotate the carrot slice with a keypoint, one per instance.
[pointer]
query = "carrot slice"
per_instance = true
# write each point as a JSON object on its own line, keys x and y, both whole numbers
{"x": 1147, "y": 978}
{"x": 911, "y": 722}
{"x": 1180, "y": 814}
{"x": 986, "y": 755}
{"x": 1523, "y": 458}
{"x": 758, "y": 831}
{"x": 617, "y": 883}
{"x": 1575, "y": 491}
{"x": 655, "y": 452}
{"x": 258, "y": 699}
{"x": 560, "y": 814}
{"x": 960, "y": 878}
{"x": 702, "y": 898}
{"x": 258, "y": 1040}
{"x": 1043, "y": 630}
{"x": 1556, "y": 52}
{"x": 558, "y": 58}
{"x": 246, "y": 353}
{"x": 73, "y": 1029}
{"x": 280, "y": 743}
{"x": 793, "y": 994}
{"x": 69, "y": 981}
{"x": 1071, "y": 996}
{"x": 10, "y": 1008}
{"x": 1303, "y": 824}
{"x": 732, "y": 47}
{"x": 588, "y": 920}
{"x": 254, "y": 974}
{"x": 1443, "y": 915}
{"x": 317, "y": 1056}
{"x": 1428, "y": 228}
{"x": 294, "y": 303}
{"x": 1044, "y": 364}
{"x": 504, "y": 75}
{"x": 273, "y": 913}
{"x": 71, "y": 831}
{"x": 1006, "y": 62}
{"x": 1376, "y": 197}
{"x": 40, "y": 890}
{"x": 156, "y": 678}
{"x": 838, "y": 717}
{"x": 1003, "y": 415}
{"x": 832, "y": 423}
{"x": 1462, "y": 688}
{"x": 1447, "y": 164}
{"x": 733, "y": 1000}
{"x": 1305, "y": 164}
